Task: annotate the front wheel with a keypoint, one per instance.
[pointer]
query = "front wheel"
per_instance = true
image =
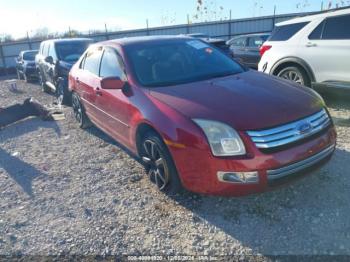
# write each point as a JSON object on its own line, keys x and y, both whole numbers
{"x": 79, "y": 112}
{"x": 44, "y": 87}
{"x": 19, "y": 77}
{"x": 159, "y": 165}
{"x": 295, "y": 74}
{"x": 62, "y": 93}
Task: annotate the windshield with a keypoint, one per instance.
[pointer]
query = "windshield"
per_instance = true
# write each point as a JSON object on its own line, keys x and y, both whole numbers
{"x": 29, "y": 56}
{"x": 71, "y": 51}
{"x": 179, "y": 62}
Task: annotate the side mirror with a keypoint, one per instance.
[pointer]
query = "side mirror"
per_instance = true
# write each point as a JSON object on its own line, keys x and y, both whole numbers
{"x": 112, "y": 83}
{"x": 49, "y": 59}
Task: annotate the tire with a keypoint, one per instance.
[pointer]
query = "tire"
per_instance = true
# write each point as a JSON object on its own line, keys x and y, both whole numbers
{"x": 159, "y": 164}
{"x": 295, "y": 74}
{"x": 44, "y": 87}
{"x": 19, "y": 77}
{"x": 79, "y": 112}
{"x": 63, "y": 95}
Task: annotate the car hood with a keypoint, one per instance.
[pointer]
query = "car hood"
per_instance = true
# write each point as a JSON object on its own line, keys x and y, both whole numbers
{"x": 247, "y": 101}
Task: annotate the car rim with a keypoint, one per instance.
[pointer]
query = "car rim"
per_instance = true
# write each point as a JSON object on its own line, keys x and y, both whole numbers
{"x": 154, "y": 160}
{"x": 60, "y": 94}
{"x": 292, "y": 75}
{"x": 77, "y": 109}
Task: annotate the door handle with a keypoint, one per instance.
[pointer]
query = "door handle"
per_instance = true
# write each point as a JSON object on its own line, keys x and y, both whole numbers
{"x": 77, "y": 80}
{"x": 311, "y": 44}
{"x": 98, "y": 91}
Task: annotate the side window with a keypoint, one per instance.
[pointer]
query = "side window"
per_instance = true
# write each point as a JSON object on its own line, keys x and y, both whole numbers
{"x": 240, "y": 42}
{"x": 111, "y": 64}
{"x": 285, "y": 32}
{"x": 52, "y": 51}
{"x": 42, "y": 48}
{"x": 92, "y": 61}
{"x": 337, "y": 28}
{"x": 317, "y": 33}
{"x": 255, "y": 41}
{"x": 46, "y": 49}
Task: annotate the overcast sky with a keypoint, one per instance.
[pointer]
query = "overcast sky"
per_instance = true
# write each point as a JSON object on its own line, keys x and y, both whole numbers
{"x": 19, "y": 16}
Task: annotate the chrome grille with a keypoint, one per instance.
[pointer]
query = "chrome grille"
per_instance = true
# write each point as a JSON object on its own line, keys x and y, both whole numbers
{"x": 292, "y": 132}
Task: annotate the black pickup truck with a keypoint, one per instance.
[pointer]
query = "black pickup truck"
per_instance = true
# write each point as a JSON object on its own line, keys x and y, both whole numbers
{"x": 54, "y": 61}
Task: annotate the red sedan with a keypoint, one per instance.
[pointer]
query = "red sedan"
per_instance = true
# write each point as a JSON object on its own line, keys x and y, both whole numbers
{"x": 196, "y": 118}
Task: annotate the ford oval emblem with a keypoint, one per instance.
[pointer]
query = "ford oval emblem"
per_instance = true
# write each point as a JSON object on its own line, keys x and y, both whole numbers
{"x": 304, "y": 128}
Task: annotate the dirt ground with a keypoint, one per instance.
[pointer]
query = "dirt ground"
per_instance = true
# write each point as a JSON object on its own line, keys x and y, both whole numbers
{"x": 64, "y": 190}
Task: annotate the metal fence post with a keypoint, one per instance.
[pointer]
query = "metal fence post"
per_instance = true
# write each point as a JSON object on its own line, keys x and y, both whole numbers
{"x": 28, "y": 41}
{"x": 3, "y": 58}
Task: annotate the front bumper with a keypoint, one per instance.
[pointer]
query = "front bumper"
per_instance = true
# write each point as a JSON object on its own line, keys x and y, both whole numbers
{"x": 198, "y": 169}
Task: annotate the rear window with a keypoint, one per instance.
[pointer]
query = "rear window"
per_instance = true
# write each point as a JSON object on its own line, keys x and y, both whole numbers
{"x": 285, "y": 32}
{"x": 337, "y": 28}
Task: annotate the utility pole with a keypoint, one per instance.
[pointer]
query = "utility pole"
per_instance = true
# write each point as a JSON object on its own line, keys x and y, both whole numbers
{"x": 274, "y": 17}
{"x": 28, "y": 41}
{"x": 106, "y": 30}
{"x": 188, "y": 24}
{"x": 322, "y": 6}
{"x": 70, "y": 32}
{"x": 147, "y": 27}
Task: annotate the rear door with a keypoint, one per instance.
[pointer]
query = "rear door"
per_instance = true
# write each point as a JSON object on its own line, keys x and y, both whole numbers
{"x": 327, "y": 49}
{"x": 252, "y": 55}
{"x": 88, "y": 82}
{"x": 114, "y": 104}
{"x": 238, "y": 47}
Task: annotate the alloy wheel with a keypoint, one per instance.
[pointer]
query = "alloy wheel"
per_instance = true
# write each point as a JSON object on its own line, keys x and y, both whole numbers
{"x": 157, "y": 169}
{"x": 78, "y": 113}
{"x": 292, "y": 76}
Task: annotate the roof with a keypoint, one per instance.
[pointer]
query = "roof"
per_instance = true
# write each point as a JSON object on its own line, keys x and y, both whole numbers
{"x": 144, "y": 39}
{"x": 63, "y": 40}
{"x": 317, "y": 16}
{"x": 257, "y": 34}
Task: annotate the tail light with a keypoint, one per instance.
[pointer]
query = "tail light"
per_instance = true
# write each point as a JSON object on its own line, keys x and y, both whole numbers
{"x": 264, "y": 48}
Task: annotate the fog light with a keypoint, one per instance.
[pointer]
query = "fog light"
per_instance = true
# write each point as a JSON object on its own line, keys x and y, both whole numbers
{"x": 238, "y": 177}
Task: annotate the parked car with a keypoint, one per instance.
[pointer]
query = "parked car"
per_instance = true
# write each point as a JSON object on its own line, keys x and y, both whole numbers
{"x": 246, "y": 48}
{"x": 53, "y": 62}
{"x": 219, "y": 43}
{"x": 197, "y": 118}
{"x": 25, "y": 65}
{"x": 310, "y": 50}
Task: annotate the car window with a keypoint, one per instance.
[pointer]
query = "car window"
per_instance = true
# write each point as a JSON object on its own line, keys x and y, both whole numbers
{"x": 285, "y": 32}
{"x": 52, "y": 52}
{"x": 239, "y": 42}
{"x": 179, "y": 62}
{"x": 29, "y": 56}
{"x": 317, "y": 33}
{"x": 111, "y": 65}
{"x": 255, "y": 41}
{"x": 71, "y": 51}
{"x": 92, "y": 61}
{"x": 45, "y": 49}
{"x": 337, "y": 28}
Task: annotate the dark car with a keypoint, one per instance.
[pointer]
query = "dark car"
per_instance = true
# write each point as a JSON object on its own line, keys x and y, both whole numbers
{"x": 245, "y": 48}
{"x": 54, "y": 61}
{"x": 197, "y": 118}
{"x": 219, "y": 43}
{"x": 25, "y": 65}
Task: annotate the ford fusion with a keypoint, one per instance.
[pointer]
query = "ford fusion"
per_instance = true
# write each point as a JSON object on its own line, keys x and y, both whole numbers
{"x": 197, "y": 119}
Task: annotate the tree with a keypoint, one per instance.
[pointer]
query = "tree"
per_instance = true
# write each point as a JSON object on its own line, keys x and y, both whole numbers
{"x": 208, "y": 10}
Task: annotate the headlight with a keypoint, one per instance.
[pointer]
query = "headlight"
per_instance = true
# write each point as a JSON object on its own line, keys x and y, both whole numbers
{"x": 223, "y": 139}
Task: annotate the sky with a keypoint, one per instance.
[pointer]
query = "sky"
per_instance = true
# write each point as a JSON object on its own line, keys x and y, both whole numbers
{"x": 17, "y": 17}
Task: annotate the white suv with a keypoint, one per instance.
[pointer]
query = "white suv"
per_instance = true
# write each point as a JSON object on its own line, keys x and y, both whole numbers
{"x": 310, "y": 50}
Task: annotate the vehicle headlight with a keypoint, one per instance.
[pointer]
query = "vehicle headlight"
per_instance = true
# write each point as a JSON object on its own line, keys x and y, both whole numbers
{"x": 223, "y": 139}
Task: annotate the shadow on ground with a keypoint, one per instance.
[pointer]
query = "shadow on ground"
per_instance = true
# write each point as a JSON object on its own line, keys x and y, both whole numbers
{"x": 21, "y": 172}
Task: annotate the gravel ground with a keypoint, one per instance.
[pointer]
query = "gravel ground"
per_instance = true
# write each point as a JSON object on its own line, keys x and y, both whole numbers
{"x": 70, "y": 191}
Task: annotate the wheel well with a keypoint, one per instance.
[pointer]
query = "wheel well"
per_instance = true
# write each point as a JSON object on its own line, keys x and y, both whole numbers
{"x": 143, "y": 129}
{"x": 308, "y": 72}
